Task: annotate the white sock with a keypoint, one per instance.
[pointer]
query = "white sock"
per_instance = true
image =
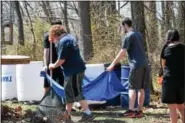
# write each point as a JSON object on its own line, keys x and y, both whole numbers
{"x": 88, "y": 112}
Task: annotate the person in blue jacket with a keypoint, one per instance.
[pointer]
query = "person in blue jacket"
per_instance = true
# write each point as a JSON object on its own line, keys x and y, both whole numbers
{"x": 70, "y": 60}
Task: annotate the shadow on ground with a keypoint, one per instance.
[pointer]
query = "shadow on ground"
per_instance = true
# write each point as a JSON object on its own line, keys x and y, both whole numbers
{"x": 108, "y": 121}
{"x": 158, "y": 115}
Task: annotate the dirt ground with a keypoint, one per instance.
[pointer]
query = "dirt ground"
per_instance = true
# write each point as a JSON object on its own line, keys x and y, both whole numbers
{"x": 155, "y": 113}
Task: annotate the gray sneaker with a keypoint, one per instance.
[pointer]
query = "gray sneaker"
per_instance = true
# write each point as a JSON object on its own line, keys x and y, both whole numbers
{"x": 86, "y": 117}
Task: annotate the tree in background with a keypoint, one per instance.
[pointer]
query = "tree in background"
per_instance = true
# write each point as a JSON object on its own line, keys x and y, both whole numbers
{"x": 151, "y": 33}
{"x": 102, "y": 19}
{"x": 31, "y": 28}
{"x": 85, "y": 30}
{"x": 138, "y": 17}
{"x": 47, "y": 10}
{"x": 181, "y": 19}
{"x": 64, "y": 10}
{"x": 168, "y": 15}
{"x": 152, "y": 27}
{"x": 19, "y": 23}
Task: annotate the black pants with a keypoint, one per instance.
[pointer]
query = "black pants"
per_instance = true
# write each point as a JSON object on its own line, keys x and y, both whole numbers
{"x": 57, "y": 75}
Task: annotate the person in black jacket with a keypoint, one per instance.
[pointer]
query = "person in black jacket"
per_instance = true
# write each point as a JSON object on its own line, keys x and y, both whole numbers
{"x": 57, "y": 73}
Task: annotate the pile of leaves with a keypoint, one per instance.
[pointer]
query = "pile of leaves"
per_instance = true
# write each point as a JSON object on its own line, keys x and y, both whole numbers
{"x": 19, "y": 115}
{"x": 11, "y": 113}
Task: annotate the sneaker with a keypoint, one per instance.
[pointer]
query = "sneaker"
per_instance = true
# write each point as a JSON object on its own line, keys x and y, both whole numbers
{"x": 86, "y": 117}
{"x": 129, "y": 113}
{"x": 139, "y": 114}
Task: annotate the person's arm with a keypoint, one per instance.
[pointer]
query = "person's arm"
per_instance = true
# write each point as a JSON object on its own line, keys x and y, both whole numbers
{"x": 126, "y": 45}
{"x": 163, "y": 62}
{"x": 46, "y": 46}
{"x": 63, "y": 54}
{"x": 165, "y": 54}
{"x": 46, "y": 56}
{"x": 120, "y": 55}
{"x": 58, "y": 63}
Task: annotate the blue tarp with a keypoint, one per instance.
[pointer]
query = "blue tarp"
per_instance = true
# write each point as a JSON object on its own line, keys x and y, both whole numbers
{"x": 104, "y": 87}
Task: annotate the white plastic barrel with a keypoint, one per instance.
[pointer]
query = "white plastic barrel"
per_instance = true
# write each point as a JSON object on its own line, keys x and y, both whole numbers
{"x": 29, "y": 82}
{"x": 8, "y": 82}
{"x": 94, "y": 70}
{"x": 8, "y": 75}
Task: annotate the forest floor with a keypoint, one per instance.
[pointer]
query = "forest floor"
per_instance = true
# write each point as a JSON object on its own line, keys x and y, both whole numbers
{"x": 155, "y": 113}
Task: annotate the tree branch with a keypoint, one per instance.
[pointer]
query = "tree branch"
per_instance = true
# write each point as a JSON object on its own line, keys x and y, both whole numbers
{"x": 124, "y": 4}
{"x": 146, "y": 7}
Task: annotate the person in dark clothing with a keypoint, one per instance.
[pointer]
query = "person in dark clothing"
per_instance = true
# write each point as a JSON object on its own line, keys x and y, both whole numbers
{"x": 173, "y": 60}
{"x": 133, "y": 44}
{"x": 57, "y": 72}
{"x": 70, "y": 60}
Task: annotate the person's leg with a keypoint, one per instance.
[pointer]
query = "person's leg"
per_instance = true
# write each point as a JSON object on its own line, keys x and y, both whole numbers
{"x": 69, "y": 107}
{"x": 132, "y": 94}
{"x": 181, "y": 109}
{"x": 87, "y": 115}
{"x": 69, "y": 97}
{"x": 80, "y": 97}
{"x": 141, "y": 98}
{"x": 59, "y": 77}
{"x": 85, "y": 107}
{"x": 180, "y": 97}
{"x": 67, "y": 114}
{"x": 132, "y": 99}
{"x": 46, "y": 89}
{"x": 144, "y": 77}
{"x": 173, "y": 112}
{"x": 46, "y": 86}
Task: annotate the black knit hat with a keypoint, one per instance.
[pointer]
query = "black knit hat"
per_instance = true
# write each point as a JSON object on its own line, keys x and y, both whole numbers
{"x": 58, "y": 22}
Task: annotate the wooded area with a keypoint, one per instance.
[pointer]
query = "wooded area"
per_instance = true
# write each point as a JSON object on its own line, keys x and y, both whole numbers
{"x": 95, "y": 24}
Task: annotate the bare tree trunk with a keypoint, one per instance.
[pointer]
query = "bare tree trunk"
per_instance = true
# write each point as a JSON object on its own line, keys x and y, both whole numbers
{"x": 2, "y": 29}
{"x": 3, "y": 47}
{"x": 31, "y": 29}
{"x": 49, "y": 9}
{"x": 119, "y": 7}
{"x": 138, "y": 17}
{"x": 163, "y": 30}
{"x": 64, "y": 10}
{"x": 167, "y": 15}
{"x": 20, "y": 23}
{"x": 65, "y": 16}
{"x": 173, "y": 15}
{"x": 181, "y": 15}
{"x": 152, "y": 26}
{"x": 46, "y": 11}
{"x": 112, "y": 8}
{"x": 85, "y": 30}
{"x": 137, "y": 9}
{"x": 75, "y": 8}
{"x": 152, "y": 34}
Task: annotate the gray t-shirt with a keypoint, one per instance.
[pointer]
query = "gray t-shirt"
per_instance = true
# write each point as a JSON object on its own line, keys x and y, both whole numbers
{"x": 134, "y": 44}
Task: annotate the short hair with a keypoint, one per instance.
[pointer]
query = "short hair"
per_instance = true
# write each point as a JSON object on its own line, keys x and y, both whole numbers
{"x": 56, "y": 22}
{"x": 56, "y": 31}
{"x": 127, "y": 21}
{"x": 173, "y": 35}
